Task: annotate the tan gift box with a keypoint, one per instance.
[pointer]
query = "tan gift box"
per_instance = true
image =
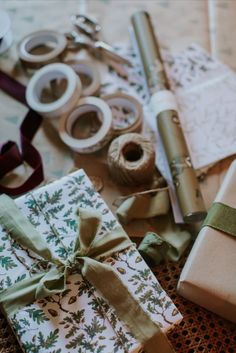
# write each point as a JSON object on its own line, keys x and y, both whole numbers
{"x": 209, "y": 275}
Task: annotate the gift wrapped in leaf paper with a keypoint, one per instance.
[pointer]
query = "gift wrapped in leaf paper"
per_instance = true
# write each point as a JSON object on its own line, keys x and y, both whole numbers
{"x": 49, "y": 258}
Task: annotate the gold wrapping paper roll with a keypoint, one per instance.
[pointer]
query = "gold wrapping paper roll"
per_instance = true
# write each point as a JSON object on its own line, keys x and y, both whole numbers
{"x": 165, "y": 109}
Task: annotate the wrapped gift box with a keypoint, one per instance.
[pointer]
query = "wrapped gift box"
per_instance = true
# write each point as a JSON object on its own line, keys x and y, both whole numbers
{"x": 78, "y": 320}
{"x": 208, "y": 277}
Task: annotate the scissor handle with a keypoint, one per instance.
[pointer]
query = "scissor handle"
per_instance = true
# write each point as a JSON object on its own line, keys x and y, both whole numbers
{"x": 86, "y": 25}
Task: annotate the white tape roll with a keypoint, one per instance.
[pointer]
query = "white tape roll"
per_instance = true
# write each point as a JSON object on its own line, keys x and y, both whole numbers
{"x": 97, "y": 140}
{"x": 5, "y": 32}
{"x": 42, "y": 78}
{"x": 88, "y": 74}
{"x": 126, "y": 111}
{"x": 163, "y": 100}
{"x": 55, "y": 41}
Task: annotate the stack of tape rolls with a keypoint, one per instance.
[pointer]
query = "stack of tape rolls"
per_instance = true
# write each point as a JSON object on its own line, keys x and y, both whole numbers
{"x": 48, "y": 75}
{"x": 126, "y": 111}
{"x": 88, "y": 128}
{"x": 88, "y": 74}
{"x": 31, "y": 47}
{"x": 5, "y": 32}
{"x": 131, "y": 159}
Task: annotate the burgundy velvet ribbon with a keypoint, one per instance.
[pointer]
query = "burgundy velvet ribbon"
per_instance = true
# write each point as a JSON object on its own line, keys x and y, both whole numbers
{"x": 11, "y": 156}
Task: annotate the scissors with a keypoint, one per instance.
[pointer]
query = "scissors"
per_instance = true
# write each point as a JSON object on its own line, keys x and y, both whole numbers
{"x": 86, "y": 35}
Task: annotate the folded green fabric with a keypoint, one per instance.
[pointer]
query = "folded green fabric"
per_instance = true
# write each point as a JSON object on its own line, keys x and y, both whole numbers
{"x": 144, "y": 205}
{"x": 169, "y": 244}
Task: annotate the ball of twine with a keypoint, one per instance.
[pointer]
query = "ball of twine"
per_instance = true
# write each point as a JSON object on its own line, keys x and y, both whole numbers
{"x": 131, "y": 159}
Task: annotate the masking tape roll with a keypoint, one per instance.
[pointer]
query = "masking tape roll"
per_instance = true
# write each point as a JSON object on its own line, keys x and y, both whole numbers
{"x": 131, "y": 159}
{"x": 88, "y": 74}
{"x": 56, "y": 42}
{"x": 46, "y": 76}
{"x": 5, "y": 32}
{"x": 126, "y": 111}
{"x": 90, "y": 141}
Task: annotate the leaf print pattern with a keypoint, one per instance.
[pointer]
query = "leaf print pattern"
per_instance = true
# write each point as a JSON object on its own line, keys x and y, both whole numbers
{"x": 78, "y": 320}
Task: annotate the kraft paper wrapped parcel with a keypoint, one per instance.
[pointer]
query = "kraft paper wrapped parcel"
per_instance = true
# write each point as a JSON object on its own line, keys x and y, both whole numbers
{"x": 208, "y": 277}
{"x": 78, "y": 319}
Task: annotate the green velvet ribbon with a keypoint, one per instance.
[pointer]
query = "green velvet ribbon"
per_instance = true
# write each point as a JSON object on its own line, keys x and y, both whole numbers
{"x": 221, "y": 217}
{"x": 88, "y": 250}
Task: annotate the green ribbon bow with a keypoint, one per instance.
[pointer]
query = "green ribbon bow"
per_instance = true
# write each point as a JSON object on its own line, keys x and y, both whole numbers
{"x": 88, "y": 250}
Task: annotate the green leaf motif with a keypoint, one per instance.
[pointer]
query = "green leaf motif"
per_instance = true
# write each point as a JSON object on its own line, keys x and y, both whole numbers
{"x": 37, "y": 315}
{"x": 71, "y": 223}
{"x": 54, "y": 198}
{"x": 90, "y": 191}
{"x": 33, "y": 221}
{"x": 7, "y": 262}
{"x": 68, "y": 212}
{"x": 43, "y": 343}
{"x": 20, "y": 278}
{"x": 2, "y": 248}
{"x": 94, "y": 328}
{"x": 110, "y": 225}
{"x": 8, "y": 282}
{"x": 62, "y": 253}
{"x": 80, "y": 179}
{"x": 55, "y": 210}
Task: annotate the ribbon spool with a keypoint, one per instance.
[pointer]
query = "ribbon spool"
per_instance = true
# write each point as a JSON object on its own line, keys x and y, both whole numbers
{"x": 88, "y": 75}
{"x": 31, "y": 47}
{"x": 88, "y": 127}
{"x": 126, "y": 111}
{"x": 131, "y": 159}
{"x": 5, "y": 32}
{"x": 47, "y": 76}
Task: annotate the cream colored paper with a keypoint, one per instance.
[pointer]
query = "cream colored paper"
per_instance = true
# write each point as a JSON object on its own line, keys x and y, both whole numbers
{"x": 208, "y": 277}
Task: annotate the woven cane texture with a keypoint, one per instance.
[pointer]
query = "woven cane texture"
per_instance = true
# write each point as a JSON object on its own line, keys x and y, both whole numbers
{"x": 200, "y": 330}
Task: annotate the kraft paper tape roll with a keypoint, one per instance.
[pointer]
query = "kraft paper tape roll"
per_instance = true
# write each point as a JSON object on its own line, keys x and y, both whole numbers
{"x": 88, "y": 74}
{"x": 55, "y": 42}
{"x": 163, "y": 100}
{"x": 93, "y": 118}
{"x": 5, "y": 32}
{"x": 126, "y": 111}
{"x": 131, "y": 159}
{"x": 46, "y": 76}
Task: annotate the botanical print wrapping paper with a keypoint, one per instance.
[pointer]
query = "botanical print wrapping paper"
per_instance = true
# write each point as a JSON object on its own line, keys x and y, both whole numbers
{"x": 78, "y": 320}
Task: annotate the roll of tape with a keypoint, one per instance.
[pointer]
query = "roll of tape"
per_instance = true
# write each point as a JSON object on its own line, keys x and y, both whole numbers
{"x": 163, "y": 100}
{"x": 127, "y": 113}
{"x": 87, "y": 141}
{"x": 131, "y": 159}
{"x": 88, "y": 74}
{"x": 46, "y": 76}
{"x": 56, "y": 42}
{"x": 5, "y": 32}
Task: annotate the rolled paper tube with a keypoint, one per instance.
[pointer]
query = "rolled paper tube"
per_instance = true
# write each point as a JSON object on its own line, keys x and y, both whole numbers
{"x": 28, "y": 46}
{"x": 164, "y": 106}
{"x": 131, "y": 159}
